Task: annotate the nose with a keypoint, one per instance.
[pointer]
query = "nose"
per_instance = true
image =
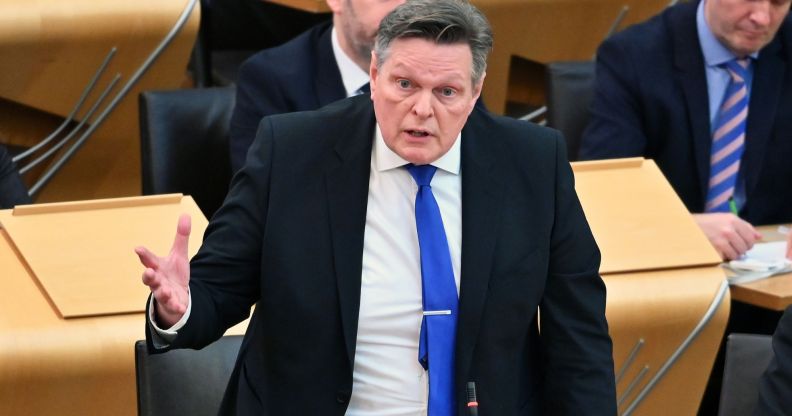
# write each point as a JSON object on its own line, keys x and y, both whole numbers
{"x": 422, "y": 107}
{"x": 760, "y": 15}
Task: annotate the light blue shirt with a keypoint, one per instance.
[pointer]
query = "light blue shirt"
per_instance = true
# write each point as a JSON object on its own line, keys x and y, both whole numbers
{"x": 716, "y": 54}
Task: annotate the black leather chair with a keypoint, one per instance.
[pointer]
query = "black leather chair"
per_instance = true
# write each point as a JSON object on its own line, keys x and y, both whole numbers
{"x": 570, "y": 89}
{"x": 184, "y": 382}
{"x": 184, "y": 143}
{"x": 747, "y": 357}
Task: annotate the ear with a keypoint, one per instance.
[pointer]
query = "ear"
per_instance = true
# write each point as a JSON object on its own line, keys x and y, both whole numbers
{"x": 477, "y": 92}
{"x": 336, "y": 6}
{"x": 373, "y": 74}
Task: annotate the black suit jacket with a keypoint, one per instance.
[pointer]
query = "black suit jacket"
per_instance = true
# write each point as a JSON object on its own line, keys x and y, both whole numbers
{"x": 775, "y": 386}
{"x": 12, "y": 190}
{"x": 651, "y": 100}
{"x": 290, "y": 239}
{"x": 300, "y": 75}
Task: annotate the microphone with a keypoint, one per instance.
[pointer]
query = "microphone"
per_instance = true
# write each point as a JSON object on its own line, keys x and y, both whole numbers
{"x": 472, "y": 404}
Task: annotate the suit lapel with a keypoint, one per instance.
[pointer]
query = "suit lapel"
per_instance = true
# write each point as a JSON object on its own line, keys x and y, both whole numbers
{"x": 327, "y": 78}
{"x": 765, "y": 92}
{"x": 347, "y": 180}
{"x": 691, "y": 75}
{"x": 482, "y": 194}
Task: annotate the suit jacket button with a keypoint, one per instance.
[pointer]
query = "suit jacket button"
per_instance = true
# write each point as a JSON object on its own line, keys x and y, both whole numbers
{"x": 343, "y": 396}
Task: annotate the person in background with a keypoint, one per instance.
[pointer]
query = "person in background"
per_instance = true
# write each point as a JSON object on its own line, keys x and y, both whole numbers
{"x": 12, "y": 190}
{"x": 705, "y": 89}
{"x": 324, "y": 64}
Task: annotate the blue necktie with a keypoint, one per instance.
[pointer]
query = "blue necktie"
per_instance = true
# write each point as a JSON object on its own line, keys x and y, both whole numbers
{"x": 440, "y": 300}
{"x": 728, "y": 139}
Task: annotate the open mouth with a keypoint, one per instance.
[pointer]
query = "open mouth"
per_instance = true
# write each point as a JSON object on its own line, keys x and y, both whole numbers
{"x": 417, "y": 133}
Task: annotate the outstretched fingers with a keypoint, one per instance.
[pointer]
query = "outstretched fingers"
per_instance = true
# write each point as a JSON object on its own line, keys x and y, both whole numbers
{"x": 182, "y": 239}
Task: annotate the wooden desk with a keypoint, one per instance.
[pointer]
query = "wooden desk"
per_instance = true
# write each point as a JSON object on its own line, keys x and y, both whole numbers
{"x": 55, "y": 366}
{"x": 312, "y": 6}
{"x": 773, "y": 293}
{"x": 668, "y": 301}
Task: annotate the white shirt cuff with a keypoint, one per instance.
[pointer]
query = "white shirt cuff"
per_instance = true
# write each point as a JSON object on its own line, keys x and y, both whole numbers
{"x": 161, "y": 338}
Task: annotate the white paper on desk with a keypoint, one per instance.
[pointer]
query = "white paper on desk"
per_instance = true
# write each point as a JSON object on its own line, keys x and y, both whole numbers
{"x": 771, "y": 254}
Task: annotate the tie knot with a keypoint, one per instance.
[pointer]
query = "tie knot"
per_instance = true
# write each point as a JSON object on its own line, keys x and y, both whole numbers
{"x": 738, "y": 68}
{"x": 422, "y": 173}
{"x": 364, "y": 89}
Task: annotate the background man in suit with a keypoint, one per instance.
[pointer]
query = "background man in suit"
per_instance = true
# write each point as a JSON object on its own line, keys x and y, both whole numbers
{"x": 663, "y": 90}
{"x": 12, "y": 190}
{"x": 325, "y": 64}
{"x": 319, "y": 231}
{"x": 775, "y": 386}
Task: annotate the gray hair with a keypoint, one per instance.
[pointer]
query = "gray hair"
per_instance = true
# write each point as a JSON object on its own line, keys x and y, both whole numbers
{"x": 441, "y": 21}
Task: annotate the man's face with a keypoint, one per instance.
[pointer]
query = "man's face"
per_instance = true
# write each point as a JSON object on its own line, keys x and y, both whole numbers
{"x": 358, "y": 21}
{"x": 423, "y": 94}
{"x": 745, "y": 26}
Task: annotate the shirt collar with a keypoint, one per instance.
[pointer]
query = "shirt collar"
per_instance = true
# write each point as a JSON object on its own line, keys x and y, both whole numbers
{"x": 386, "y": 159}
{"x": 714, "y": 52}
{"x": 351, "y": 75}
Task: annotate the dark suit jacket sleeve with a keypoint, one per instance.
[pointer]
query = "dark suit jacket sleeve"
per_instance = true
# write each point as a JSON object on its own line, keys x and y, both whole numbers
{"x": 579, "y": 376}
{"x": 12, "y": 191}
{"x": 615, "y": 128}
{"x": 775, "y": 386}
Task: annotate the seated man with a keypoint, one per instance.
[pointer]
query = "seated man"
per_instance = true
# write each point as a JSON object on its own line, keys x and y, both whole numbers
{"x": 325, "y": 64}
{"x": 345, "y": 228}
{"x": 12, "y": 190}
{"x": 705, "y": 89}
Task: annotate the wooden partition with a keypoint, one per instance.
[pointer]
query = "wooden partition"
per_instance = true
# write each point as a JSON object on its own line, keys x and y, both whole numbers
{"x": 668, "y": 301}
{"x": 50, "y": 50}
{"x": 69, "y": 318}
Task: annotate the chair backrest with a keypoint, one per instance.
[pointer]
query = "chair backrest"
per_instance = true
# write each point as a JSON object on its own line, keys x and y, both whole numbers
{"x": 570, "y": 89}
{"x": 184, "y": 143}
{"x": 184, "y": 382}
{"x": 747, "y": 357}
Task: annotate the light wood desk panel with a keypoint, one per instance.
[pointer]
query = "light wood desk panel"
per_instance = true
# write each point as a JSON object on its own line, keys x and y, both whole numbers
{"x": 55, "y": 366}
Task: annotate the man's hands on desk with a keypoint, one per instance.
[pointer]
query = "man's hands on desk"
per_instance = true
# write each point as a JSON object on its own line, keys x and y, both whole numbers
{"x": 730, "y": 235}
{"x": 169, "y": 277}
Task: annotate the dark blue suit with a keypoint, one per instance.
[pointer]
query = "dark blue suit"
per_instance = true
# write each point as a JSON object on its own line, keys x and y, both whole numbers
{"x": 12, "y": 191}
{"x": 651, "y": 100}
{"x": 775, "y": 386}
{"x": 289, "y": 238}
{"x": 299, "y": 75}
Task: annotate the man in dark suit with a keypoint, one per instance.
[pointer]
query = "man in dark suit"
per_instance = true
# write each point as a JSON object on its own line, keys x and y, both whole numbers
{"x": 12, "y": 190}
{"x": 775, "y": 386}
{"x": 661, "y": 92}
{"x": 322, "y": 65}
{"x": 323, "y": 231}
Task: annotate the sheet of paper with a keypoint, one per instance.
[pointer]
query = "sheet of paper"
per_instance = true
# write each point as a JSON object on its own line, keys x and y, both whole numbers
{"x": 760, "y": 262}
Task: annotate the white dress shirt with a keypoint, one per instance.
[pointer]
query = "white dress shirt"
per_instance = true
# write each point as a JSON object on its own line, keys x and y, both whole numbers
{"x": 387, "y": 378}
{"x": 352, "y": 75}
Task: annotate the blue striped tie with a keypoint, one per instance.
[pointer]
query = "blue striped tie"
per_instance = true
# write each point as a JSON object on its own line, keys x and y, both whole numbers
{"x": 728, "y": 138}
{"x": 440, "y": 300}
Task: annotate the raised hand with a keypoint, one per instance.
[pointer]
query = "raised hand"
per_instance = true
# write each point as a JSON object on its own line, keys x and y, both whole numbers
{"x": 169, "y": 277}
